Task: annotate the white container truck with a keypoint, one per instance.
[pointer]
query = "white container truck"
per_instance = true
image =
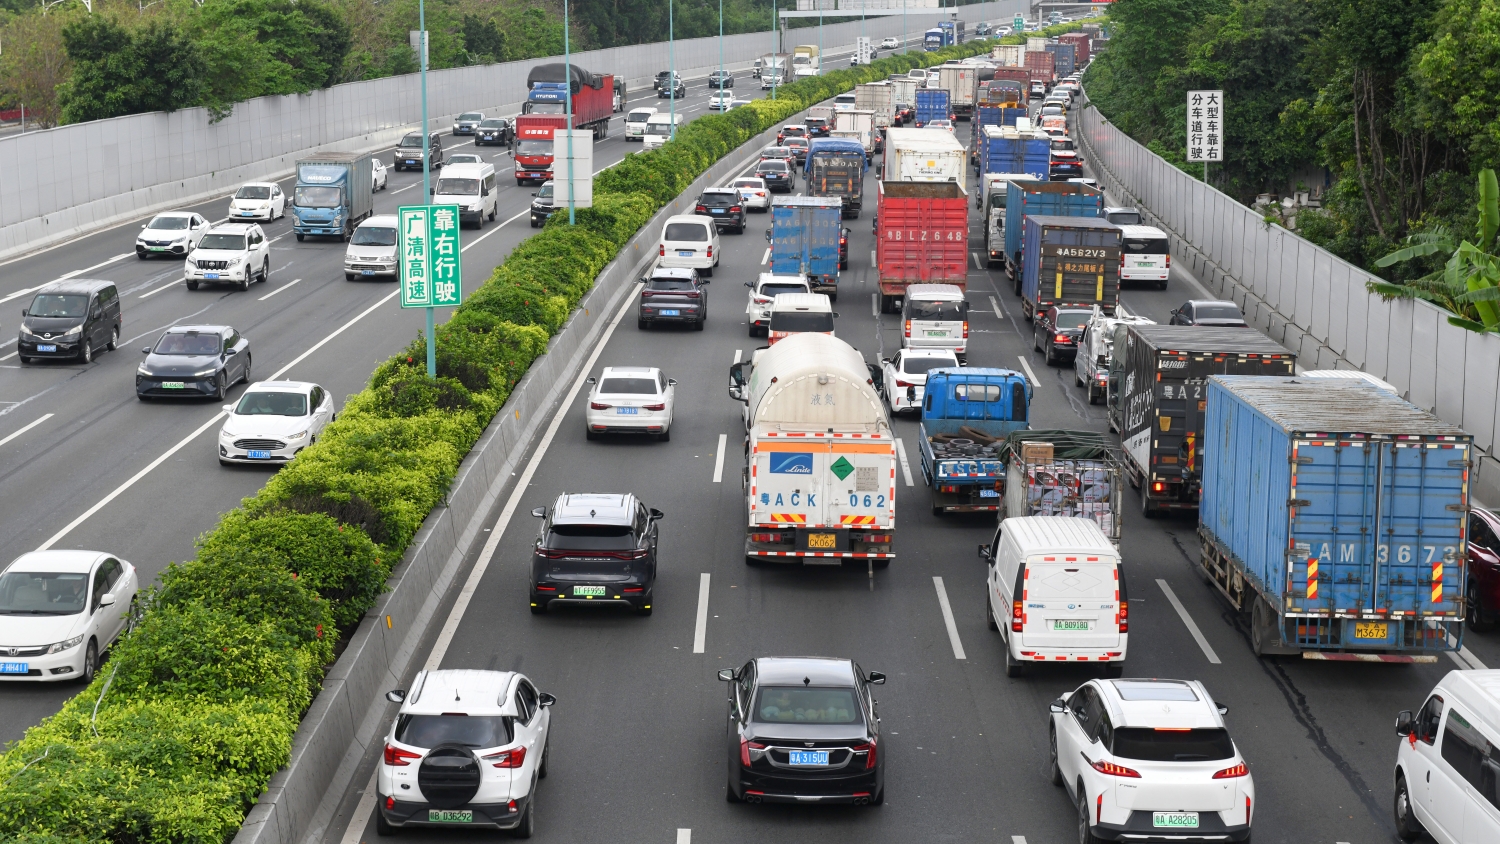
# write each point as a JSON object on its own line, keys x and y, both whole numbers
{"x": 959, "y": 82}
{"x": 856, "y": 125}
{"x": 1009, "y": 55}
{"x": 923, "y": 155}
{"x": 806, "y": 61}
{"x": 879, "y": 98}
{"x": 820, "y": 461}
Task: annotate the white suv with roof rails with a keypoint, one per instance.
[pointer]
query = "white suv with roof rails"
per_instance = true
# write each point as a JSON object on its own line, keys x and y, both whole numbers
{"x": 229, "y": 253}
{"x": 466, "y": 750}
{"x": 1150, "y": 759}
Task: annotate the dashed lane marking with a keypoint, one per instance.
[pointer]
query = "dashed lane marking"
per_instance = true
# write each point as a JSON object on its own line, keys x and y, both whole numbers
{"x": 44, "y": 418}
{"x": 278, "y": 290}
{"x": 763, "y": 259}
{"x": 905, "y": 466}
{"x": 1030, "y": 376}
{"x": 700, "y": 627}
{"x": 719, "y": 460}
{"x": 1192, "y": 626}
{"x": 995, "y": 303}
{"x": 942, "y": 594}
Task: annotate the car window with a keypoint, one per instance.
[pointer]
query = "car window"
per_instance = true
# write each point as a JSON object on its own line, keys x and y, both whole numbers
{"x": 921, "y": 364}
{"x": 477, "y": 731}
{"x": 470, "y": 115}
{"x": 222, "y": 241}
{"x": 42, "y": 593}
{"x": 719, "y": 200}
{"x": 1428, "y": 718}
{"x": 799, "y": 321}
{"x": 230, "y": 338}
{"x": 1072, "y": 319}
{"x": 368, "y": 235}
{"x": 177, "y": 343}
{"x": 669, "y": 284}
{"x": 644, "y": 386}
{"x": 1124, "y": 218}
{"x": 937, "y": 310}
{"x": 58, "y": 305}
{"x": 1216, "y": 312}
{"x": 1147, "y": 246}
{"x": 686, "y": 232}
{"x": 523, "y": 712}
{"x": 412, "y": 141}
{"x": 492, "y": 123}
{"x": 1154, "y": 745}
{"x": 772, "y": 167}
{"x": 774, "y": 290}
{"x": 101, "y": 586}
{"x": 779, "y": 705}
{"x": 1472, "y": 755}
{"x": 747, "y": 183}
{"x": 316, "y": 400}
{"x": 1480, "y": 534}
{"x": 272, "y": 403}
{"x": 976, "y": 392}
{"x": 253, "y": 192}
{"x": 169, "y": 223}
{"x": 464, "y": 187}
{"x": 590, "y": 538}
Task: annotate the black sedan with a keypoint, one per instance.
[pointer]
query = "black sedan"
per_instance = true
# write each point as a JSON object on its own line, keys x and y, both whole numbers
{"x": 1056, "y": 330}
{"x": 1209, "y": 312}
{"x": 194, "y": 360}
{"x": 497, "y": 131}
{"x": 724, "y": 206}
{"x": 776, "y": 173}
{"x": 803, "y": 730}
{"x": 720, "y": 79}
{"x": 595, "y": 549}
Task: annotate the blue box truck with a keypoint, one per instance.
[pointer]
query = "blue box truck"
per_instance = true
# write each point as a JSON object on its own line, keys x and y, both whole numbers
{"x": 1069, "y": 261}
{"x": 804, "y": 236}
{"x": 1333, "y": 513}
{"x": 1066, "y": 58}
{"x": 932, "y": 104}
{"x": 966, "y": 415}
{"x": 1005, "y": 149}
{"x": 334, "y": 193}
{"x": 1055, "y": 199}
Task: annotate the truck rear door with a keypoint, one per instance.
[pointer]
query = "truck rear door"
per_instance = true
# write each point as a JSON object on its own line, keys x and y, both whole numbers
{"x": 1181, "y": 396}
{"x": 1072, "y": 601}
{"x": 824, "y": 482}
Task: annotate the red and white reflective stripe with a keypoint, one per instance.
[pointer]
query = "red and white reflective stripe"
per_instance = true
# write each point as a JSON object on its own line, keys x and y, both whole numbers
{"x": 816, "y": 554}
{"x": 1347, "y": 657}
{"x": 1065, "y": 658}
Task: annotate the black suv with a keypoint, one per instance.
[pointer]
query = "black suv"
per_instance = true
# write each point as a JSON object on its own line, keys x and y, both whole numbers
{"x": 595, "y": 548}
{"x": 723, "y": 204}
{"x": 1055, "y": 331}
{"x": 776, "y": 173}
{"x": 494, "y": 130}
{"x": 817, "y": 127}
{"x": 720, "y": 79}
{"x": 667, "y": 83}
{"x": 673, "y": 294}
{"x": 543, "y": 205}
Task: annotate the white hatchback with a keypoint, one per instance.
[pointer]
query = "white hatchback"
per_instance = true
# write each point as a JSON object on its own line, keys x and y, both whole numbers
{"x": 273, "y": 421}
{"x": 59, "y": 610}
{"x": 258, "y": 201}
{"x": 630, "y": 400}
{"x": 690, "y": 241}
{"x": 720, "y": 100}
{"x": 1150, "y": 759}
{"x": 753, "y": 193}
{"x": 466, "y": 749}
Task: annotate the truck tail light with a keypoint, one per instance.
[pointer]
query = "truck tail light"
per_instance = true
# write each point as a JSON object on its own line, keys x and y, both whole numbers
{"x": 765, "y": 537}
{"x": 966, "y": 331}
{"x": 1158, "y": 486}
{"x": 878, "y": 538}
{"x": 1017, "y": 617}
{"x": 1124, "y": 616}
{"x": 908, "y": 328}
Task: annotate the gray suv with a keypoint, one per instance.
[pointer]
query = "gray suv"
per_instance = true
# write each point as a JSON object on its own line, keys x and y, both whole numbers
{"x": 595, "y": 548}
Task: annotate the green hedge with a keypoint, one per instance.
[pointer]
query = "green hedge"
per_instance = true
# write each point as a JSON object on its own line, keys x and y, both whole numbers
{"x": 206, "y": 691}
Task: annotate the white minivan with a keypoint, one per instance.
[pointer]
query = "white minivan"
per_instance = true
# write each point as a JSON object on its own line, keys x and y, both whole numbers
{"x": 472, "y": 188}
{"x": 691, "y": 241}
{"x": 935, "y": 316}
{"x": 635, "y": 123}
{"x": 372, "y": 249}
{"x": 1448, "y": 760}
{"x": 1145, "y": 255}
{"x": 1056, "y": 593}
{"x": 660, "y": 128}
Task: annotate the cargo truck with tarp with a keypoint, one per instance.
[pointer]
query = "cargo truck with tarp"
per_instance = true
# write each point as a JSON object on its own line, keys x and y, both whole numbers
{"x": 1333, "y": 514}
{"x": 835, "y": 167}
{"x": 1064, "y": 473}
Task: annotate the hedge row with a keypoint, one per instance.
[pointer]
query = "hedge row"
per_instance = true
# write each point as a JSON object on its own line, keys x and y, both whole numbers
{"x": 196, "y": 708}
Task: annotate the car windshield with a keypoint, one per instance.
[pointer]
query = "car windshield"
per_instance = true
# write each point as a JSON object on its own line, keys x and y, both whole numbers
{"x": 813, "y": 122}
{"x": 780, "y": 705}
{"x": 639, "y": 116}
{"x": 685, "y": 233}
{"x": 478, "y": 731}
{"x": 58, "y": 305}
{"x": 462, "y": 187}
{"x": 940, "y": 310}
{"x": 794, "y": 131}
{"x": 1172, "y": 745}
{"x": 168, "y": 224}
{"x": 492, "y": 123}
{"x": 1062, "y": 145}
{"x": 774, "y": 290}
{"x": 316, "y": 197}
{"x": 268, "y": 403}
{"x": 464, "y": 158}
{"x": 795, "y": 321}
{"x": 1124, "y": 218}
{"x": 749, "y": 183}
{"x": 374, "y": 236}
{"x": 234, "y": 242}
{"x": 470, "y": 115}
{"x": 591, "y": 538}
{"x": 1072, "y": 319}
{"x": 43, "y": 593}
{"x": 719, "y": 200}
{"x": 1217, "y": 312}
{"x": 534, "y": 147}
{"x": 795, "y": 144}
{"x": 545, "y": 191}
{"x": 178, "y": 343}
{"x": 669, "y": 284}
{"x": 253, "y": 192}
{"x": 917, "y": 365}
{"x": 412, "y": 141}
{"x": 629, "y": 386}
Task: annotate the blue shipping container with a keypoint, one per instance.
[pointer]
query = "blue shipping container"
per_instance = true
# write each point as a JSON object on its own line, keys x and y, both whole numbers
{"x": 992, "y": 116}
{"x": 1343, "y": 506}
{"x": 1002, "y": 150}
{"x": 805, "y": 234}
{"x": 1065, "y": 61}
{"x": 1055, "y": 199}
{"x": 931, "y": 105}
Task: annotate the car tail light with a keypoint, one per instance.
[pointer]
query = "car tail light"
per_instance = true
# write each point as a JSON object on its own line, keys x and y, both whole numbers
{"x": 632, "y": 589}
{"x": 745, "y": 747}
{"x": 904, "y": 384}
{"x": 1124, "y": 617}
{"x": 870, "y": 752}
{"x": 1113, "y": 770}
{"x": 661, "y": 250}
{"x": 735, "y": 208}
{"x": 546, "y": 589}
{"x": 1060, "y": 338}
{"x": 1239, "y": 770}
{"x": 1017, "y": 617}
{"x": 710, "y": 251}
{"x": 908, "y": 328}
{"x": 655, "y": 407}
{"x": 760, "y": 193}
{"x": 593, "y": 405}
{"x": 396, "y": 757}
{"x": 512, "y": 758}
{"x": 966, "y": 331}
{"x": 1169, "y": 260}
{"x": 701, "y": 209}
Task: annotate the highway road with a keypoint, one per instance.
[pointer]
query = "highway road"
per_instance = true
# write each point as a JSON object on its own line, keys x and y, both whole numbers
{"x": 638, "y": 730}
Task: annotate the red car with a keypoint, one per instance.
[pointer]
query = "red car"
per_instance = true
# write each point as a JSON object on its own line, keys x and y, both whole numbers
{"x": 1482, "y": 593}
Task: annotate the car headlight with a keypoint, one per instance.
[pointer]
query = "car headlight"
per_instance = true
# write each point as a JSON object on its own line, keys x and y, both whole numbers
{"x": 59, "y": 647}
{"x": 71, "y": 333}
{"x": 233, "y": 262}
{"x": 182, "y": 239}
{"x": 142, "y": 370}
{"x": 297, "y": 436}
{"x": 205, "y": 373}
{"x": 192, "y": 265}
{"x": 26, "y": 332}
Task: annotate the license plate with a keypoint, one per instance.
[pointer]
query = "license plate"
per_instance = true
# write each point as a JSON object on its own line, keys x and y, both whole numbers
{"x": 823, "y": 541}
{"x": 671, "y": 312}
{"x": 258, "y": 455}
{"x": 718, "y": 210}
{"x": 627, "y": 411}
{"x": 366, "y": 272}
{"x": 936, "y": 333}
{"x": 682, "y": 254}
{"x": 588, "y": 591}
{"x": 409, "y": 162}
{"x": 1144, "y": 264}
{"x": 450, "y": 816}
{"x": 14, "y": 667}
{"x": 1370, "y": 630}
{"x": 171, "y": 385}
{"x": 807, "y": 757}
{"x": 1071, "y": 624}
{"x": 46, "y": 347}
{"x": 1175, "y": 820}
{"x": 211, "y": 276}
{"x": 247, "y": 213}
{"x": 989, "y": 493}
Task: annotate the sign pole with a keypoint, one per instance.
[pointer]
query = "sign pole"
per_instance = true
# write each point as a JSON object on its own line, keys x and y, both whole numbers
{"x": 427, "y": 178}
{"x": 775, "y": 48}
{"x": 568, "y": 82}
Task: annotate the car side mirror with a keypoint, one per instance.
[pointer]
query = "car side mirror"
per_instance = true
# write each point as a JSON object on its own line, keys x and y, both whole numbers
{"x": 545, "y": 699}
{"x": 533, "y": 193}
{"x": 876, "y": 678}
{"x": 593, "y": 381}
{"x": 540, "y": 512}
{"x": 145, "y": 350}
{"x": 228, "y": 408}
{"x": 396, "y": 695}
{"x": 1223, "y": 710}
{"x": 107, "y": 599}
{"x": 727, "y": 675}
{"x": 1404, "y": 723}
{"x": 835, "y": 314}
{"x": 24, "y": 310}
{"x": 736, "y": 392}
{"x": 984, "y": 552}
{"x": 671, "y": 382}
{"x": 229, "y": 353}
{"x": 749, "y": 284}
{"x": 641, "y": 280}
{"x": 657, "y": 515}
{"x": 768, "y": 235}
{"x": 432, "y": 191}
{"x": 1057, "y": 707}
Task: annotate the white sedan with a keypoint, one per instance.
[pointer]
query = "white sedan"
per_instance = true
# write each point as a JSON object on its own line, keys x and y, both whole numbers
{"x": 720, "y": 100}
{"x": 753, "y": 193}
{"x": 258, "y": 201}
{"x": 378, "y": 174}
{"x": 273, "y": 421}
{"x": 59, "y": 611}
{"x": 904, "y": 377}
{"x": 171, "y": 234}
{"x": 890, "y": 43}
{"x": 630, "y": 400}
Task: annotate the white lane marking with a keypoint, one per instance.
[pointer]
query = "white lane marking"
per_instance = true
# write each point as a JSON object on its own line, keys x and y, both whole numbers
{"x": 19, "y": 293}
{"x": 905, "y": 466}
{"x": 763, "y": 259}
{"x": 9, "y": 356}
{"x": 684, "y": 836}
{"x": 1192, "y": 626}
{"x": 1018, "y": 839}
{"x": 204, "y": 427}
{"x": 875, "y": 305}
{"x": 700, "y": 627}
{"x": 475, "y": 241}
{"x": 278, "y": 290}
{"x": 174, "y": 282}
{"x": 977, "y": 265}
{"x": 1029, "y": 374}
{"x": 1461, "y": 655}
{"x": 737, "y": 353}
{"x": 408, "y": 187}
{"x": 44, "y": 418}
{"x": 958, "y": 647}
{"x": 66, "y": 276}
{"x": 995, "y": 303}
{"x": 719, "y": 460}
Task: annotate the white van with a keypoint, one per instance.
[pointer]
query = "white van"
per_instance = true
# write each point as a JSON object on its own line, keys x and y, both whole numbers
{"x": 799, "y": 313}
{"x": 660, "y": 128}
{"x": 372, "y": 249}
{"x": 843, "y": 102}
{"x": 635, "y": 123}
{"x": 763, "y": 293}
{"x": 1145, "y": 255}
{"x": 1446, "y": 777}
{"x": 472, "y": 188}
{"x": 935, "y": 316}
{"x": 1056, "y": 593}
{"x": 691, "y": 241}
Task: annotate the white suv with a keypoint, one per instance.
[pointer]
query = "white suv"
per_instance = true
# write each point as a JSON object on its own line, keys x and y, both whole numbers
{"x": 466, "y": 750}
{"x": 231, "y": 253}
{"x": 1150, "y": 759}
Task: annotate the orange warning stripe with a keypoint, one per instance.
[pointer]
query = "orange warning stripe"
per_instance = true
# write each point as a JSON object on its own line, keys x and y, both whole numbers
{"x": 1312, "y": 578}
{"x": 790, "y": 518}
{"x": 856, "y": 520}
{"x": 1437, "y": 582}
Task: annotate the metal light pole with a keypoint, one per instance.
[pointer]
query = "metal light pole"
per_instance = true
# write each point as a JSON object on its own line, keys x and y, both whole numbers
{"x": 427, "y": 179}
{"x": 568, "y": 99}
{"x": 672, "y": 80}
{"x": 775, "y": 48}
{"x": 905, "y": 44}
{"x": 721, "y": 57}
{"x": 820, "y": 39}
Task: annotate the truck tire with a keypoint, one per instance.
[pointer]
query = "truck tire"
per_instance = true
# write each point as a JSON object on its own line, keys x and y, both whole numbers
{"x": 1147, "y": 509}
{"x": 1013, "y": 667}
{"x": 300, "y": 237}
{"x": 1262, "y": 625}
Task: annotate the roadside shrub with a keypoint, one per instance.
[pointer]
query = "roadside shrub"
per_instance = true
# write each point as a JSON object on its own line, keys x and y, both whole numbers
{"x": 241, "y": 583}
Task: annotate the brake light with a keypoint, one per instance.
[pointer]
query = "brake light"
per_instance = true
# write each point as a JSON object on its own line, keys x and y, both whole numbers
{"x": 396, "y": 757}
{"x": 512, "y": 758}
{"x": 765, "y": 537}
{"x": 745, "y": 747}
{"x": 1124, "y": 617}
{"x": 661, "y": 250}
{"x": 594, "y": 405}
{"x": 1169, "y": 260}
{"x": 702, "y": 209}
{"x": 710, "y": 251}
{"x": 630, "y": 589}
{"x": 1158, "y": 486}
{"x": 734, "y": 208}
{"x": 1017, "y": 617}
{"x": 966, "y": 331}
{"x": 760, "y": 193}
{"x": 546, "y": 589}
{"x": 655, "y": 407}
{"x": 870, "y": 752}
{"x": 908, "y": 328}
{"x": 900, "y": 383}
{"x": 1113, "y": 770}
{"x": 1239, "y": 770}
{"x": 1061, "y": 338}
{"x": 878, "y": 538}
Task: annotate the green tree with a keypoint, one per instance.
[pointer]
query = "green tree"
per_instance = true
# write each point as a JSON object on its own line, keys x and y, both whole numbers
{"x": 116, "y": 71}
{"x": 483, "y": 40}
{"x": 1468, "y": 284}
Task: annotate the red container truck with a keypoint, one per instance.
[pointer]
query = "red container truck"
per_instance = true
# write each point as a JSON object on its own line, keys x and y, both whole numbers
{"x": 997, "y": 92}
{"x": 534, "y": 146}
{"x": 1042, "y": 66}
{"x": 1081, "y": 43}
{"x": 545, "y": 110}
{"x": 921, "y": 237}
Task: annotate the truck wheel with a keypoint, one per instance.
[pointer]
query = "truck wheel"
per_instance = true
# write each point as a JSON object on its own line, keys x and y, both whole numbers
{"x": 1147, "y": 509}
{"x": 1262, "y": 627}
{"x": 1013, "y": 667}
{"x": 299, "y": 237}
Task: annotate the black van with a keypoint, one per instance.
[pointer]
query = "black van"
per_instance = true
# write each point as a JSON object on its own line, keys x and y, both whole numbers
{"x": 70, "y": 319}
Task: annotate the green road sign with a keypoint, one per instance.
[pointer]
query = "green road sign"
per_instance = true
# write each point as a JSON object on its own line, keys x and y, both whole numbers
{"x": 1019, "y": 24}
{"x": 431, "y": 267}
